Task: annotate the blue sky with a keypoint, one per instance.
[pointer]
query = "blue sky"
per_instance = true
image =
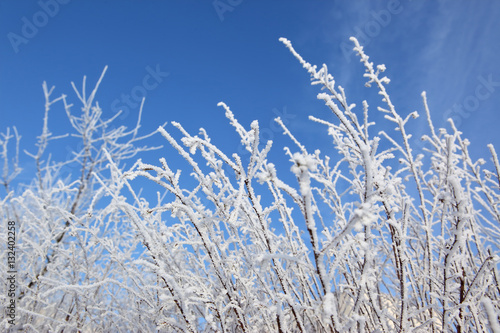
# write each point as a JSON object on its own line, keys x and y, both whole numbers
{"x": 203, "y": 52}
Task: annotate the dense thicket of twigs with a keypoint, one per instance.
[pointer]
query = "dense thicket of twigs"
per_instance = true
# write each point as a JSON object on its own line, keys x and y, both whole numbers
{"x": 357, "y": 243}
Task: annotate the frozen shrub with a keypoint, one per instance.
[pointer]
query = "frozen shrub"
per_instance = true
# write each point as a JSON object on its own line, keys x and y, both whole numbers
{"x": 373, "y": 238}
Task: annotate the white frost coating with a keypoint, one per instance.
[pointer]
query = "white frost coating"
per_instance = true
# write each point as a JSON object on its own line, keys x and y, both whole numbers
{"x": 492, "y": 314}
{"x": 329, "y": 304}
{"x": 301, "y": 167}
{"x": 363, "y": 216}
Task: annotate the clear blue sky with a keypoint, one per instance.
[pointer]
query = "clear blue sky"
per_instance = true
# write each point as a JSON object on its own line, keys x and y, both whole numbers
{"x": 228, "y": 50}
